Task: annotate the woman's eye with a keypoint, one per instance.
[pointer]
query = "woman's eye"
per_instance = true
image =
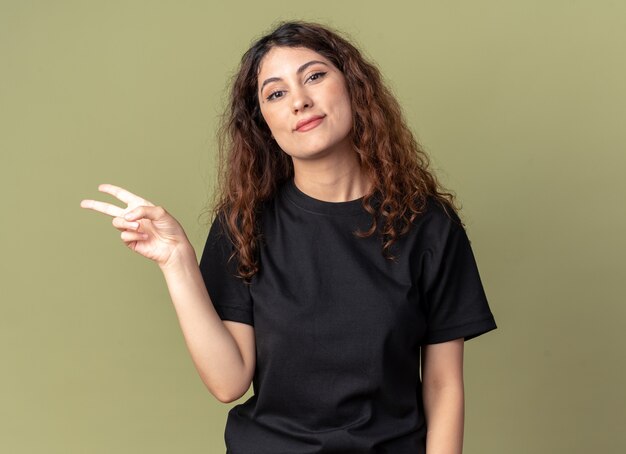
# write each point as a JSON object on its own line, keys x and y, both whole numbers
{"x": 275, "y": 95}
{"x": 316, "y": 76}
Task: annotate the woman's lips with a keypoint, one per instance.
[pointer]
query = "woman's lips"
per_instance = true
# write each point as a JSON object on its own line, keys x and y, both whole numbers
{"x": 309, "y": 123}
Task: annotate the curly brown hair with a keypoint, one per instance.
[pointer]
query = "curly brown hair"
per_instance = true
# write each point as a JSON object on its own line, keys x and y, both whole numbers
{"x": 252, "y": 167}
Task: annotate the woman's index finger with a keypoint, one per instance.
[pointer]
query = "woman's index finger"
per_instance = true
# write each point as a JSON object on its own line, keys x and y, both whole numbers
{"x": 103, "y": 207}
{"x": 121, "y": 193}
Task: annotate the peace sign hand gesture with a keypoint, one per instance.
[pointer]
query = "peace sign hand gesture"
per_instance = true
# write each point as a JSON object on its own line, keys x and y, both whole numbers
{"x": 146, "y": 229}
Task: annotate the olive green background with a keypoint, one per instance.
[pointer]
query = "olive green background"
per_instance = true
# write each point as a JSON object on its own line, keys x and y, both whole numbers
{"x": 522, "y": 106}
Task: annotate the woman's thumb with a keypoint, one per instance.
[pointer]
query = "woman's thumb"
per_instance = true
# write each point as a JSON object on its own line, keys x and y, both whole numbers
{"x": 150, "y": 212}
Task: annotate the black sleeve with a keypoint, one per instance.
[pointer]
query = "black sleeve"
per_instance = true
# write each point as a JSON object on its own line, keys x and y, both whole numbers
{"x": 456, "y": 304}
{"x": 229, "y": 294}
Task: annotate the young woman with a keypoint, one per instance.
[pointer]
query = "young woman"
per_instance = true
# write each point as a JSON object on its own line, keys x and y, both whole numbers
{"x": 335, "y": 267}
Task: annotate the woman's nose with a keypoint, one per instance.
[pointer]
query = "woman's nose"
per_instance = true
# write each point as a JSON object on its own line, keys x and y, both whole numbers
{"x": 301, "y": 100}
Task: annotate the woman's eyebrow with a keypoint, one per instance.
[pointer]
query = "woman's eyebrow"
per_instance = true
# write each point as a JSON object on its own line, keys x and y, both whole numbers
{"x": 299, "y": 71}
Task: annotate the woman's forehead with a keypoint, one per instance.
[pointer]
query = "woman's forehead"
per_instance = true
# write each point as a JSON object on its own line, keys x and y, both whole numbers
{"x": 283, "y": 60}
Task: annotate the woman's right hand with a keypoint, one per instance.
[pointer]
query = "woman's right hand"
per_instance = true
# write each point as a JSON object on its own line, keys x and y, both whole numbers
{"x": 147, "y": 229}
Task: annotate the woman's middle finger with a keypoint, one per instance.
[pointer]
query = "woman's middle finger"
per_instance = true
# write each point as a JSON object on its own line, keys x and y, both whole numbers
{"x": 123, "y": 195}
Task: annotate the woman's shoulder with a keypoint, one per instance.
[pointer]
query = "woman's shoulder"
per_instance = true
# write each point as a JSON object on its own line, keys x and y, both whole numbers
{"x": 438, "y": 214}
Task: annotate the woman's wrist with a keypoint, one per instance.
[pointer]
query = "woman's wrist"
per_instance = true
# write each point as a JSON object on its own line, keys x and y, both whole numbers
{"x": 181, "y": 257}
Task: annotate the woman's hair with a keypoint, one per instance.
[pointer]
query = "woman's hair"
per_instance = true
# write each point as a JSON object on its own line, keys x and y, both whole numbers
{"x": 252, "y": 166}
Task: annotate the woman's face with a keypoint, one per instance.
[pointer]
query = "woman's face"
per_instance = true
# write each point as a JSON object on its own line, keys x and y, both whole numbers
{"x": 305, "y": 102}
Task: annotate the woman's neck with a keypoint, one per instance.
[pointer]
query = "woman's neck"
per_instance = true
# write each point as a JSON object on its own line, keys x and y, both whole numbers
{"x": 338, "y": 178}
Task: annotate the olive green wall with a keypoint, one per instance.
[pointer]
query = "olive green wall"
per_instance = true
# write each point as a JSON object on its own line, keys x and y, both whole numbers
{"x": 522, "y": 106}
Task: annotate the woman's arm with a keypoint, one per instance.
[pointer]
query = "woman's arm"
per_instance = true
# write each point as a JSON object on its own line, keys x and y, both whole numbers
{"x": 222, "y": 351}
{"x": 443, "y": 394}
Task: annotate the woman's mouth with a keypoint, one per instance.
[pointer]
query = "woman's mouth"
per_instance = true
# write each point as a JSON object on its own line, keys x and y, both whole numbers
{"x": 309, "y": 123}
